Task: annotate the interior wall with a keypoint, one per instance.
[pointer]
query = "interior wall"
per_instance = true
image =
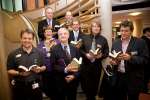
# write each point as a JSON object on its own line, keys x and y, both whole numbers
{"x": 4, "y": 88}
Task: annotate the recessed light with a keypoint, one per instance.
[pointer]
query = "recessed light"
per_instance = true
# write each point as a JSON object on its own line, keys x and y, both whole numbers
{"x": 118, "y": 22}
{"x": 135, "y": 13}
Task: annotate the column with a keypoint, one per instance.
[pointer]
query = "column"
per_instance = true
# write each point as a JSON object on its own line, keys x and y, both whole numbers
{"x": 105, "y": 10}
{"x": 138, "y": 26}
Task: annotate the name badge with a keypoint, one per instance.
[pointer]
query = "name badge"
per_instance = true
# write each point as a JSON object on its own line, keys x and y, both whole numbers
{"x": 35, "y": 85}
{"x": 134, "y": 53}
{"x": 18, "y": 55}
{"x": 48, "y": 54}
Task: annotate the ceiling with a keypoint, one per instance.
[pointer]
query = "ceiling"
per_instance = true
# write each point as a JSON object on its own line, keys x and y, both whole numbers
{"x": 123, "y": 2}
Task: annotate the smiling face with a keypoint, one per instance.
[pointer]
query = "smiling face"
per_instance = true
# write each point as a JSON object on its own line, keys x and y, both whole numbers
{"x": 49, "y": 13}
{"x": 95, "y": 28}
{"x": 63, "y": 35}
{"x": 75, "y": 25}
{"x": 48, "y": 34}
{"x": 68, "y": 15}
{"x": 126, "y": 29}
{"x": 27, "y": 40}
{"x": 125, "y": 33}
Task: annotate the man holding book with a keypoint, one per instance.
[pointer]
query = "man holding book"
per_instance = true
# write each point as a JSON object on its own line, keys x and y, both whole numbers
{"x": 24, "y": 65}
{"x": 129, "y": 65}
{"x": 65, "y": 72}
{"x": 75, "y": 37}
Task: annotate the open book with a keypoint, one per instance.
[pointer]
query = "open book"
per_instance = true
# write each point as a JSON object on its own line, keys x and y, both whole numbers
{"x": 76, "y": 63}
{"x": 25, "y": 68}
{"x": 95, "y": 52}
{"x": 114, "y": 54}
{"x": 76, "y": 42}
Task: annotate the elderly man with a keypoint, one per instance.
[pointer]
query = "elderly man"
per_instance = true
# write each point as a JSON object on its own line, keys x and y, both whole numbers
{"x": 65, "y": 78}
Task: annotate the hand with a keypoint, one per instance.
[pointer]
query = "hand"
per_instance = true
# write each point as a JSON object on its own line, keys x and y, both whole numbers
{"x": 114, "y": 62}
{"x": 36, "y": 69}
{"x": 69, "y": 78}
{"x": 124, "y": 56}
{"x": 99, "y": 55}
{"x": 71, "y": 68}
{"x": 25, "y": 74}
{"x": 78, "y": 45}
{"x": 90, "y": 56}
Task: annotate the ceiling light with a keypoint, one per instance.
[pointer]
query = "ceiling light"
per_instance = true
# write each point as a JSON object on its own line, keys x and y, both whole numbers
{"x": 118, "y": 22}
{"x": 135, "y": 14}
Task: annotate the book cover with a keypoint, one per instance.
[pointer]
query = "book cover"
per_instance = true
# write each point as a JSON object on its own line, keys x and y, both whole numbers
{"x": 25, "y": 68}
{"x": 76, "y": 63}
{"x": 114, "y": 54}
{"x": 76, "y": 42}
{"x": 94, "y": 52}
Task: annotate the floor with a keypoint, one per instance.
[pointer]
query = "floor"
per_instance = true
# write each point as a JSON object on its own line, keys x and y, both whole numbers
{"x": 80, "y": 96}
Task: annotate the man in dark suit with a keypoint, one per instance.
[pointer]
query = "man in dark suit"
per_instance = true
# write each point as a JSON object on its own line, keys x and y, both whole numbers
{"x": 146, "y": 37}
{"x": 129, "y": 65}
{"x": 65, "y": 76}
{"x": 75, "y": 34}
{"x": 49, "y": 21}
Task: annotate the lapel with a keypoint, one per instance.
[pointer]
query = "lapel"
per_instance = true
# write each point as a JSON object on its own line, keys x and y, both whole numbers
{"x": 72, "y": 37}
{"x": 119, "y": 45}
{"x": 131, "y": 44}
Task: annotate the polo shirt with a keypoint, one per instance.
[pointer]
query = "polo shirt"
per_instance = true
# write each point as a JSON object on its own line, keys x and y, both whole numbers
{"x": 20, "y": 57}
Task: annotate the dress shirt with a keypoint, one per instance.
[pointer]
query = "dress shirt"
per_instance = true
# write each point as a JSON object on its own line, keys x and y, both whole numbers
{"x": 76, "y": 34}
{"x": 121, "y": 67}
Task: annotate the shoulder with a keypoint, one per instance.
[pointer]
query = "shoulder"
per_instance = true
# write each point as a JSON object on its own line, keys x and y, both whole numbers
{"x": 42, "y": 21}
{"x": 56, "y": 47}
{"x": 15, "y": 52}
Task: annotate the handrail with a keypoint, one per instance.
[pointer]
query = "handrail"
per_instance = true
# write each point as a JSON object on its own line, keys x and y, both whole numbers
{"x": 30, "y": 26}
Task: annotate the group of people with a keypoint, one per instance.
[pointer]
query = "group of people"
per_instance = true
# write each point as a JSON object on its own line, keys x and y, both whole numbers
{"x": 50, "y": 69}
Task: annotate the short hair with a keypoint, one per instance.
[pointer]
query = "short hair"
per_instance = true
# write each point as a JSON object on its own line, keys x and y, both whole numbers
{"x": 76, "y": 20}
{"x": 48, "y": 8}
{"x": 63, "y": 29}
{"x": 127, "y": 23}
{"x": 68, "y": 12}
{"x": 28, "y": 31}
{"x": 147, "y": 29}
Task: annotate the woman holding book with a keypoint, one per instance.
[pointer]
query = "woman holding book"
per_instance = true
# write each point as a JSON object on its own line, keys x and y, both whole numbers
{"x": 45, "y": 47}
{"x": 94, "y": 49}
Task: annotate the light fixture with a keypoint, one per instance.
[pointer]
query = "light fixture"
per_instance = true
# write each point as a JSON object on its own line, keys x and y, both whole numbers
{"x": 135, "y": 13}
{"x": 118, "y": 22}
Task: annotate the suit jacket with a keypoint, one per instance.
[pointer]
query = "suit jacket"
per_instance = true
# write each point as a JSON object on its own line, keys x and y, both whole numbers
{"x": 44, "y": 23}
{"x": 72, "y": 37}
{"x": 134, "y": 67}
{"x": 101, "y": 43}
{"x": 91, "y": 71}
{"x": 60, "y": 61}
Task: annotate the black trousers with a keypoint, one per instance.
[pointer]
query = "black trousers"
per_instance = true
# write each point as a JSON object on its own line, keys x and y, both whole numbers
{"x": 25, "y": 91}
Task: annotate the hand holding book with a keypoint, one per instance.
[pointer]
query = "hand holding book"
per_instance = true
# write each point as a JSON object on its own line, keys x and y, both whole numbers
{"x": 74, "y": 65}
{"x": 77, "y": 44}
{"x": 33, "y": 68}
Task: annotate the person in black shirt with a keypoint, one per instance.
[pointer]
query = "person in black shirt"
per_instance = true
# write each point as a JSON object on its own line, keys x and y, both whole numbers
{"x": 92, "y": 63}
{"x": 24, "y": 65}
{"x": 146, "y": 37}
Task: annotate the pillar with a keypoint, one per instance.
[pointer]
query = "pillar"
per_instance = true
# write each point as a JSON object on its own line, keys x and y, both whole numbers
{"x": 138, "y": 26}
{"x": 105, "y": 9}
